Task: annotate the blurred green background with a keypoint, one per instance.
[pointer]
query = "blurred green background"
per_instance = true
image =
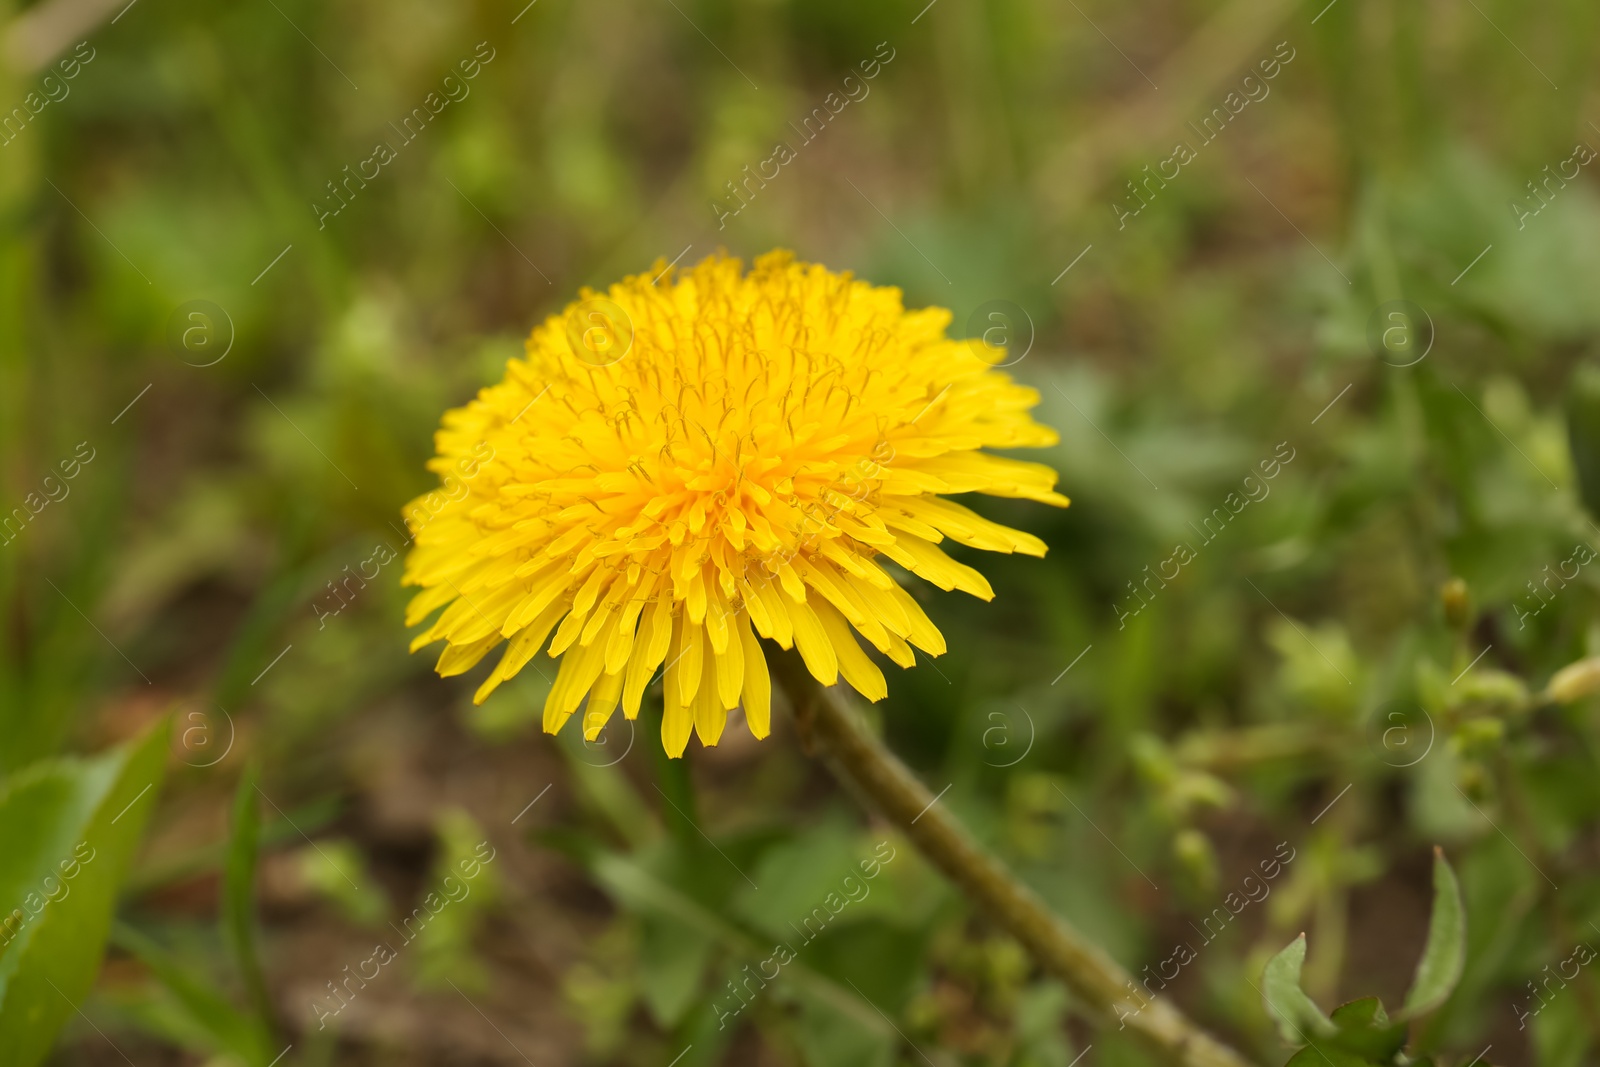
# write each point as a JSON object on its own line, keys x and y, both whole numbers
{"x": 1380, "y": 260}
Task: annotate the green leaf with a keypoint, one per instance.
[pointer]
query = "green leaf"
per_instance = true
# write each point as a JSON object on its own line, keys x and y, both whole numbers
{"x": 603, "y": 786}
{"x": 239, "y": 895}
{"x": 1042, "y": 1037}
{"x": 444, "y": 943}
{"x": 642, "y": 891}
{"x": 1365, "y": 1029}
{"x": 1368, "y": 1011}
{"x": 1583, "y": 432}
{"x": 1446, "y": 951}
{"x": 1560, "y": 1034}
{"x": 214, "y": 1020}
{"x": 1299, "y": 1018}
{"x": 68, "y": 830}
{"x": 1328, "y": 1056}
{"x": 796, "y": 875}
{"x": 829, "y": 1038}
{"x": 879, "y": 960}
{"x": 672, "y": 965}
{"x": 336, "y": 869}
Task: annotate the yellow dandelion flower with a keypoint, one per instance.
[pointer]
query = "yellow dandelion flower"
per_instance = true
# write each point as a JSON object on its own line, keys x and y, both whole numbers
{"x": 692, "y": 459}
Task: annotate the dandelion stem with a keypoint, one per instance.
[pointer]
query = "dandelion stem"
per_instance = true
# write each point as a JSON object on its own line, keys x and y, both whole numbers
{"x": 828, "y": 726}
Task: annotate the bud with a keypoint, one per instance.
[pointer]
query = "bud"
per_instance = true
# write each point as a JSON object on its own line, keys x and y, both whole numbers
{"x": 1152, "y": 759}
{"x": 1195, "y": 856}
{"x": 1473, "y": 781}
{"x": 1197, "y": 789}
{"x": 1574, "y": 681}
{"x": 1457, "y": 604}
{"x": 1490, "y": 686}
{"x": 1479, "y": 735}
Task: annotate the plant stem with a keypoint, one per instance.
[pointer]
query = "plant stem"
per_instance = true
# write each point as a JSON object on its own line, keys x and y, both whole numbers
{"x": 863, "y": 764}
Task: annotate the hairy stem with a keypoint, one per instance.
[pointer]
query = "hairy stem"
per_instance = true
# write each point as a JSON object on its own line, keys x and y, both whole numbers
{"x": 865, "y": 766}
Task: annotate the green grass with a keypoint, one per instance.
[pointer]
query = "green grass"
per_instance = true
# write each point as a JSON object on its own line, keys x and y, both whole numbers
{"x": 1229, "y": 322}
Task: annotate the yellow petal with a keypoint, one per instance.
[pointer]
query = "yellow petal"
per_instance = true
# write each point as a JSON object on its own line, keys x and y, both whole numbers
{"x": 688, "y": 657}
{"x": 710, "y": 717}
{"x": 966, "y": 526}
{"x": 812, "y": 641}
{"x": 841, "y": 592}
{"x": 596, "y": 623}
{"x": 926, "y": 561}
{"x": 579, "y": 669}
{"x": 730, "y": 668}
{"x": 602, "y": 702}
{"x": 716, "y": 623}
{"x": 648, "y": 652}
{"x": 880, "y": 602}
{"x": 756, "y": 608}
{"x": 966, "y": 472}
{"x": 772, "y": 600}
{"x": 676, "y": 724}
{"x": 567, "y": 633}
{"x": 458, "y": 659}
{"x": 545, "y": 589}
{"x": 423, "y": 604}
{"x": 490, "y": 609}
{"x": 900, "y": 652}
{"x": 924, "y": 634}
{"x": 523, "y": 646}
{"x": 619, "y": 647}
{"x": 862, "y": 674}
{"x": 757, "y": 683}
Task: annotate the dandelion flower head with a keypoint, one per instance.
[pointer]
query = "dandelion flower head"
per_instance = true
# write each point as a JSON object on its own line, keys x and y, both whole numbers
{"x": 692, "y": 459}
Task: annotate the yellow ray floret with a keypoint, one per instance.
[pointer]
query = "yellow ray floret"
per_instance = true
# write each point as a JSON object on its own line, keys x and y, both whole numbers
{"x": 691, "y": 459}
